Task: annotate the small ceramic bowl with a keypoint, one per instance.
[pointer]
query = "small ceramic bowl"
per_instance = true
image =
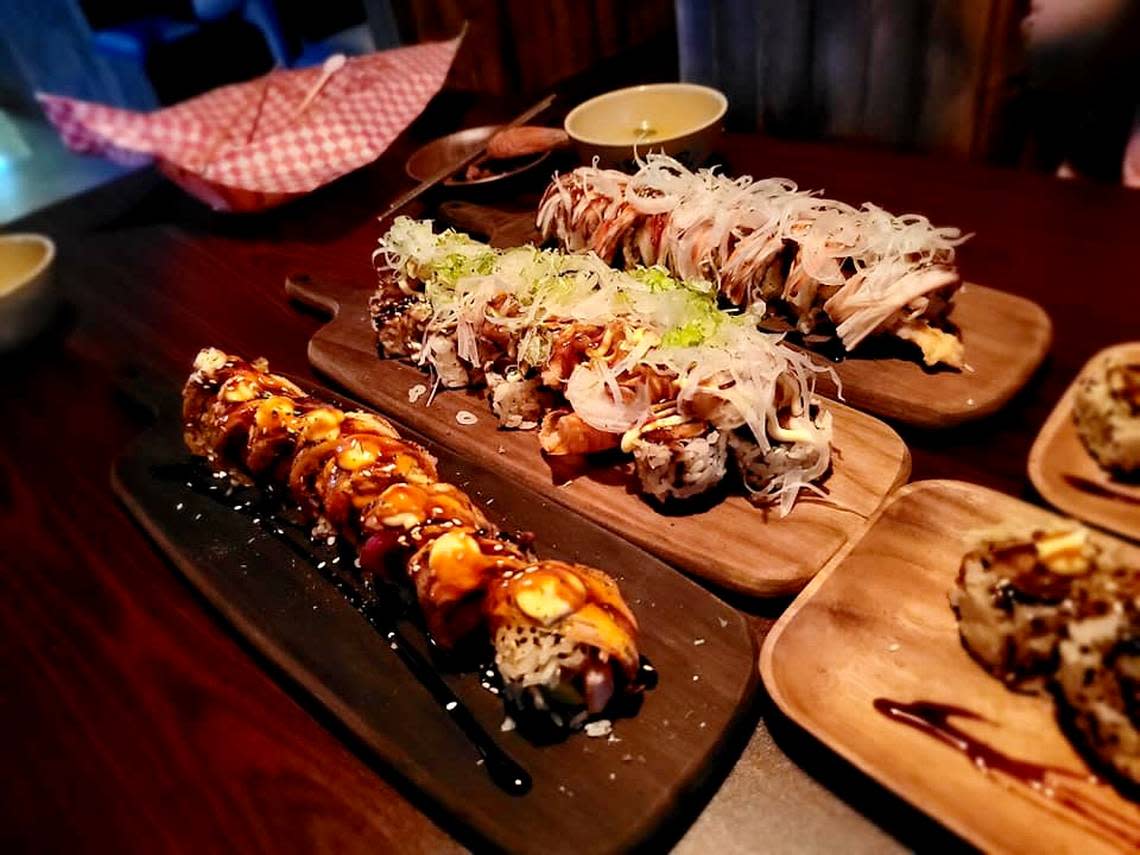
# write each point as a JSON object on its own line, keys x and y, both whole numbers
{"x": 682, "y": 120}
{"x": 430, "y": 158}
{"x": 27, "y": 288}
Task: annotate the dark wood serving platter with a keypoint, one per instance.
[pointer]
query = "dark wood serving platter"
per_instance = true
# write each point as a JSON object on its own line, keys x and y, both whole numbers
{"x": 730, "y": 542}
{"x": 1006, "y": 338}
{"x": 589, "y": 794}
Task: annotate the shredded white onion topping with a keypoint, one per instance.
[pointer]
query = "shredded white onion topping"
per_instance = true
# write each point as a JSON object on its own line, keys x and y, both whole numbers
{"x": 718, "y": 367}
{"x": 869, "y": 270}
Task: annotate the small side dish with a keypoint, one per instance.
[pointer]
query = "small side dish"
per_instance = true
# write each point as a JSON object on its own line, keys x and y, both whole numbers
{"x": 601, "y": 360}
{"x": 564, "y": 639}
{"x": 28, "y": 293}
{"x": 822, "y": 266}
{"x": 508, "y": 153}
{"x": 682, "y": 120}
{"x": 1052, "y": 609}
{"x": 1106, "y": 411}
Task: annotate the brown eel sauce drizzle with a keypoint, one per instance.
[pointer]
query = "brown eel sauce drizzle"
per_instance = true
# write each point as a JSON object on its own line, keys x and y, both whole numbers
{"x": 934, "y": 720}
{"x": 266, "y": 511}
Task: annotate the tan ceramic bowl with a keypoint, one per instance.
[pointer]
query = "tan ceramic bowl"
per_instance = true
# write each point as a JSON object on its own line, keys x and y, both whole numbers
{"x": 27, "y": 292}
{"x": 680, "y": 119}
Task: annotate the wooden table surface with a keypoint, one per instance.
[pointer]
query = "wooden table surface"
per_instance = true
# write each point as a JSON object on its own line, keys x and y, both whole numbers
{"x": 136, "y": 722}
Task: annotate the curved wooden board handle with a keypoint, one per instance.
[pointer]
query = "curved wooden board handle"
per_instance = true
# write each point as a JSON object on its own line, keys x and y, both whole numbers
{"x": 324, "y": 295}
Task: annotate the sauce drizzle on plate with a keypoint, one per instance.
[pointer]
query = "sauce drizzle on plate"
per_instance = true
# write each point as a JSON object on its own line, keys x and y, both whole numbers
{"x": 1048, "y": 782}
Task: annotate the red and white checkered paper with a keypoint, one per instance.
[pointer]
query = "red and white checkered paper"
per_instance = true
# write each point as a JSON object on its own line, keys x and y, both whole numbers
{"x": 205, "y": 143}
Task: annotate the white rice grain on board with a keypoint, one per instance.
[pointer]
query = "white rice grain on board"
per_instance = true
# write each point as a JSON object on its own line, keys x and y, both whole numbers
{"x": 602, "y": 727}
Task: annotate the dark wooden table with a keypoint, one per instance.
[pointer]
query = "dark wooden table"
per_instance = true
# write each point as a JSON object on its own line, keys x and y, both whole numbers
{"x": 136, "y": 722}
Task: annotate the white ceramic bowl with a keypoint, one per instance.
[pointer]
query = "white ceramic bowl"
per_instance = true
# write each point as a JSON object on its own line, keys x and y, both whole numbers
{"x": 27, "y": 288}
{"x": 681, "y": 119}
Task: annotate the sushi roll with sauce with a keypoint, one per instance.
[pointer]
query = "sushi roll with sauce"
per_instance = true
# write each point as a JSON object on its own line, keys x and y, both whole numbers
{"x": 452, "y": 573}
{"x": 822, "y": 266}
{"x": 1098, "y": 675}
{"x": 518, "y": 402}
{"x": 1106, "y": 410}
{"x": 563, "y": 636}
{"x": 1014, "y": 596}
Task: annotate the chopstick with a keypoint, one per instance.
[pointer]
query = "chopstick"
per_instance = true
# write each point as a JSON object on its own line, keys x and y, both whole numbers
{"x": 260, "y": 108}
{"x": 464, "y": 162}
{"x": 229, "y": 135}
{"x": 328, "y": 69}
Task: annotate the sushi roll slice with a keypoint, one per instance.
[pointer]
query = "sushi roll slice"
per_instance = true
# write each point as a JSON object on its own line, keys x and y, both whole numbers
{"x": 1098, "y": 675}
{"x": 399, "y": 314}
{"x": 677, "y": 459}
{"x": 1014, "y": 596}
{"x": 1106, "y": 410}
{"x": 518, "y": 402}
{"x": 452, "y": 573}
{"x": 406, "y": 517}
{"x": 564, "y": 639}
{"x": 796, "y": 456}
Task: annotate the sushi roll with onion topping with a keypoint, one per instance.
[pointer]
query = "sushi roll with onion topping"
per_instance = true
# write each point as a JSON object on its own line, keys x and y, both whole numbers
{"x": 599, "y": 360}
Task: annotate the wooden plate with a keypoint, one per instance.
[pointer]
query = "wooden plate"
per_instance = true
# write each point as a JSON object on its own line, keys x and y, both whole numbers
{"x": 731, "y": 543}
{"x": 1064, "y": 472}
{"x": 1006, "y": 337}
{"x": 877, "y": 624}
{"x": 589, "y": 795}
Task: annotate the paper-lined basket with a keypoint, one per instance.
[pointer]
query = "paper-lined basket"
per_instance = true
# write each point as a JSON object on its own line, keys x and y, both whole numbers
{"x": 246, "y": 147}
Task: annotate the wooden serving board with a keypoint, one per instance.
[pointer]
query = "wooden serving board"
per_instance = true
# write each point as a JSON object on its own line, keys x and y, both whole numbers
{"x": 589, "y": 794}
{"x": 877, "y": 624}
{"x": 1006, "y": 338}
{"x": 731, "y": 542}
{"x": 1064, "y": 472}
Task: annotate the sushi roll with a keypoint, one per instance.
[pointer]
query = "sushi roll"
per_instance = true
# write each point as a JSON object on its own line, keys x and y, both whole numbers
{"x": 442, "y": 353}
{"x": 592, "y": 356}
{"x": 822, "y": 266}
{"x": 563, "y": 636}
{"x": 1098, "y": 675}
{"x": 225, "y": 402}
{"x": 800, "y": 455}
{"x": 518, "y": 402}
{"x": 399, "y": 314}
{"x": 452, "y": 573}
{"x": 677, "y": 459}
{"x": 360, "y": 467}
{"x": 405, "y": 518}
{"x": 564, "y": 639}
{"x": 399, "y": 325}
{"x": 1014, "y": 596}
{"x": 1106, "y": 410}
